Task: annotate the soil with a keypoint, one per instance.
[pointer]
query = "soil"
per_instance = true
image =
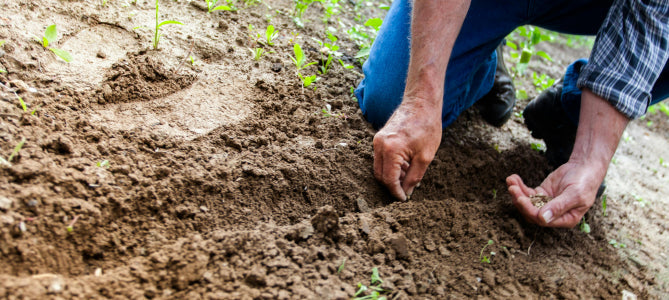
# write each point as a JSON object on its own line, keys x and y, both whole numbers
{"x": 225, "y": 180}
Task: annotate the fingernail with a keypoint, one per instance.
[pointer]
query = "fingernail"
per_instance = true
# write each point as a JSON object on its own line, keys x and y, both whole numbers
{"x": 548, "y": 216}
{"x": 409, "y": 193}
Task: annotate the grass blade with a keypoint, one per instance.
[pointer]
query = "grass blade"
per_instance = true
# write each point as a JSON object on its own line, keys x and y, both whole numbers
{"x": 169, "y": 22}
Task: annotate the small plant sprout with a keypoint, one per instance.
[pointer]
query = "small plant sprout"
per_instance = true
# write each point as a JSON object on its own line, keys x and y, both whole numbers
{"x": 270, "y": 35}
{"x": 527, "y": 38}
{"x": 485, "y": 258}
{"x": 300, "y": 7}
{"x": 156, "y": 36}
{"x": 342, "y": 266}
{"x": 211, "y": 6}
{"x": 542, "y": 82}
{"x": 584, "y": 227}
{"x": 103, "y": 164}
{"x": 16, "y": 150}
{"x": 538, "y": 147}
{"x": 70, "y": 227}
{"x": 617, "y": 244}
{"x": 375, "y": 288}
{"x": 604, "y": 213}
{"x": 257, "y": 53}
{"x": 50, "y": 37}
{"x": 300, "y": 59}
{"x": 307, "y": 80}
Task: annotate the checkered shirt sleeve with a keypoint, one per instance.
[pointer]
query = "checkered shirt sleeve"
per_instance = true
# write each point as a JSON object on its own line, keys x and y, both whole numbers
{"x": 629, "y": 54}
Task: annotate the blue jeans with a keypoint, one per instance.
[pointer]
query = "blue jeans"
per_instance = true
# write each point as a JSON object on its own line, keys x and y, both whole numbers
{"x": 471, "y": 68}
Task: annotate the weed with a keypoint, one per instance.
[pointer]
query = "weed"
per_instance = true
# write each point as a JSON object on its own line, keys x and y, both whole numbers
{"x": 257, "y": 53}
{"x": 157, "y": 34}
{"x": 50, "y": 37}
{"x": 584, "y": 227}
{"x": 375, "y": 287}
{"x": 617, "y": 244}
{"x": 485, "y": 258}
{"x": 270, "y": 35}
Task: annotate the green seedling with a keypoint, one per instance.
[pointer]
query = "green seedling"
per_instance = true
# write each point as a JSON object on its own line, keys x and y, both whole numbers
{"x": 542, "y": 82}
{"x": 345, "y": 65}
{"x": 16, "y": 150}
{"x": 300, "y": 7}
{"x": 375, "y": 288}
{"x": 50, "y": 37}
{"x": 331, "y": 49}
{"x": 70, "y": 227}
{"x": 156, "y": 37}
{"x": 331, "y": 8}
{"x": 485, "y": 258}
{"x": 270, "y": 35}
{"x": 22, "y": 103}
{"x": 257, "y": 53}
{"x": 539, "y": 147}
{"x": 342, "y": 266}
{"x": 363, "y": 39}
{"x": 212, "y": 7}
{"x": 523, "y": 49}
{"x": 103, "y": 164}
{"x": 617, "y": 244}
{"x": 307, "y": 80}
{"x": 300, "y": 59}
{"x": 604, "y": 213}
{"x": 584, "y": 227}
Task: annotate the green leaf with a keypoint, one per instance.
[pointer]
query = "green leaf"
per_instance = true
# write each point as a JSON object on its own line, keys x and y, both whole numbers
{"x": 64, "y": 55}
{"x": 23, "y": 104}
{"x": 50, "y": 34}
{"x": 375, "y": 276}
{"x": 374, "y": 23}
{"x": 16, "y": 150}
{"x": 168, "y": 22}
{"x": 364, "y": 52}
{"x": 511, "y": 45}
{"x": 385, "y": 7}
{"x": 222, "y": 7}
{"x": 544, "y": 55}
{"x": 2, "y": 71}
{"x": 525, "y": 56}
{"x": 45, "y": 42}
{"x": 2, "y": 43}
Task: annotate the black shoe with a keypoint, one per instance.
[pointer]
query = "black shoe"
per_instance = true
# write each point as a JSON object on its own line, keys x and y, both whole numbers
{"x": 547, "y": 120}
{"x": 496, "y": 106}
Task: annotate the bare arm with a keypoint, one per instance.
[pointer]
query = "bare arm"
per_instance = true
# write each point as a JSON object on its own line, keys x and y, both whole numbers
{"x": 406, "y": 145}
{"x": 574, "y": 184}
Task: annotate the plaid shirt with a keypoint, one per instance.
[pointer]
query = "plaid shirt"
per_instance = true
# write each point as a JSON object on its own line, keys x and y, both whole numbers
{"x": 630, "y": 52}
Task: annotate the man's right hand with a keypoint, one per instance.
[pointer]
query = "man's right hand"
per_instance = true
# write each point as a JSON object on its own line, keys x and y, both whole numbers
{"x": 406, "y": 145}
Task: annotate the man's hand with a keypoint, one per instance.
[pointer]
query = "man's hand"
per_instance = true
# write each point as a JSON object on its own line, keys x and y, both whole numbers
{"x": 406, "y": 145}
{"x": 574, "y": 185}
{"x": 573, "y": 188}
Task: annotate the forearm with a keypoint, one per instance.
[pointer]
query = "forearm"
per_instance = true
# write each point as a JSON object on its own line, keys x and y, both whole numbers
{"x": 434, "y": 28}
{"x": 599, "y": 131}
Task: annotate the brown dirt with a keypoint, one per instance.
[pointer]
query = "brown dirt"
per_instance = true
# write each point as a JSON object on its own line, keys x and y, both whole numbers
{"x": 225, "y": 180}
